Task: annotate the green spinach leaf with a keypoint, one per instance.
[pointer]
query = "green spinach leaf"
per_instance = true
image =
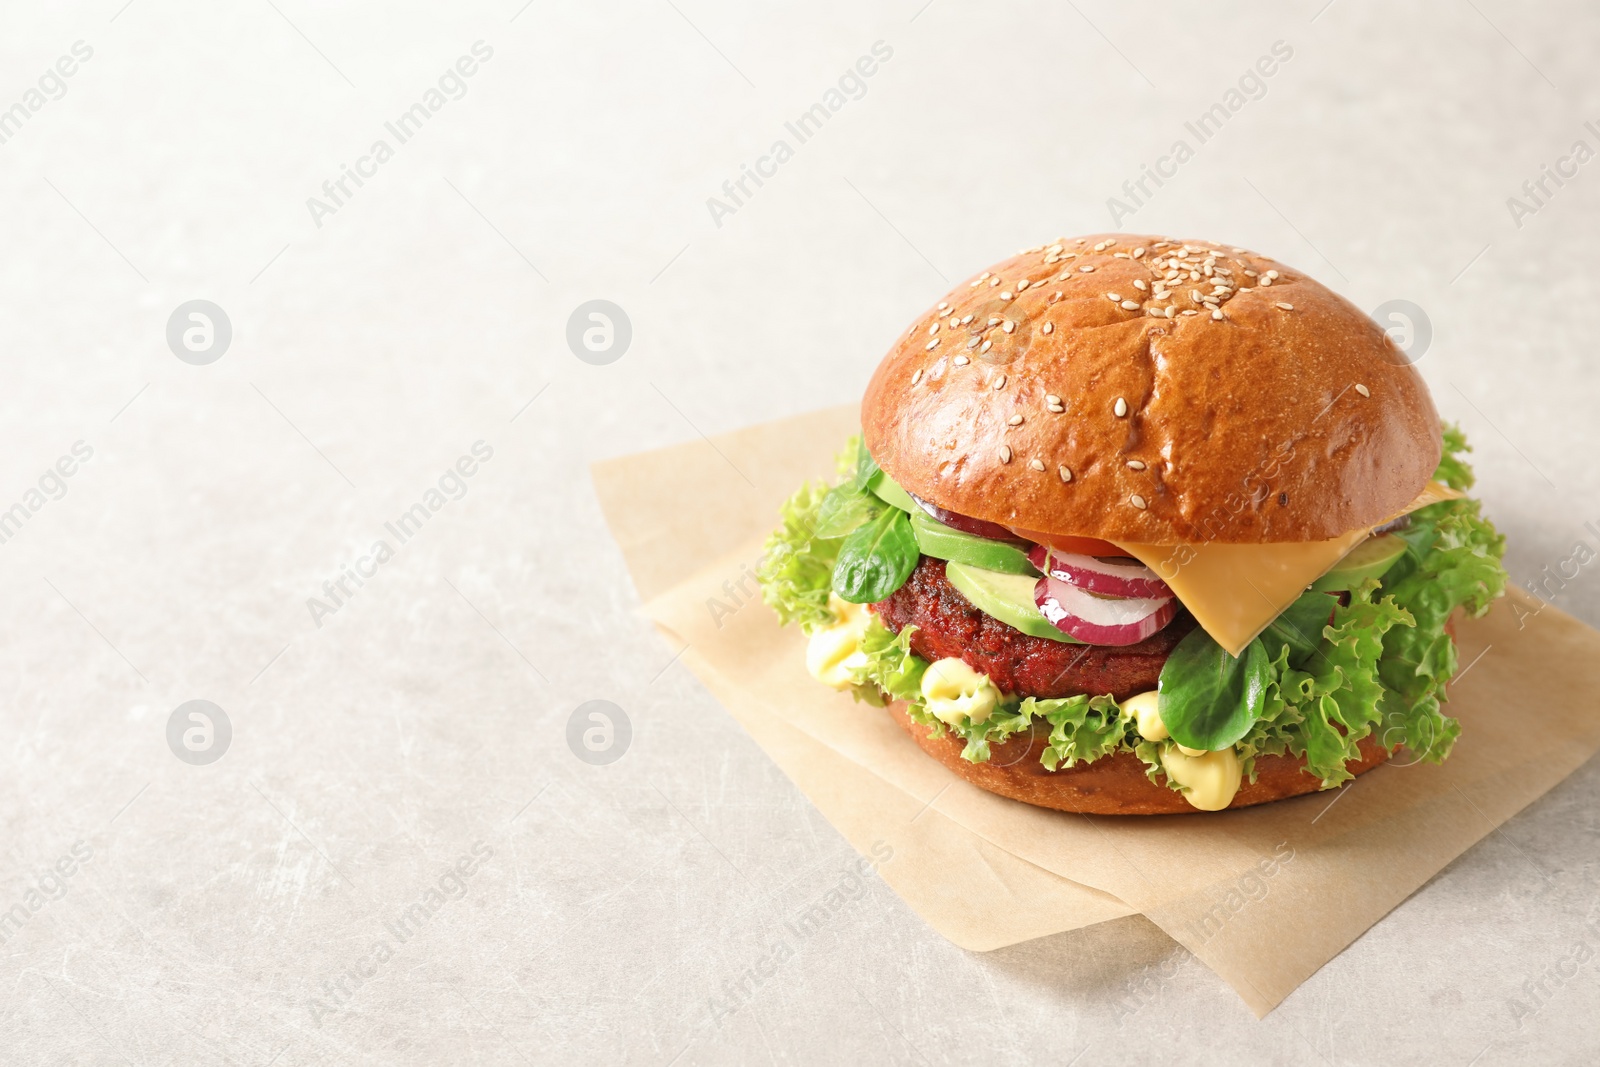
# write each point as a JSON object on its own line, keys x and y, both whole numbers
{"x": 1210, "y": 699}
{"x": 1300, "y": 627}
{"x": 866, "y": 467}
{"x": 876, "y": 559}
{"x": 844, "y": 509}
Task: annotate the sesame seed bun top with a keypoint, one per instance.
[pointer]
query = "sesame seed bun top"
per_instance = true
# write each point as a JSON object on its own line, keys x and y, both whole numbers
{"x": 1143, "y": 389}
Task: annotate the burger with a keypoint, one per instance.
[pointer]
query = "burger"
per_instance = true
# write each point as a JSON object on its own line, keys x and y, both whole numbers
{"x": 1137, "y": 525}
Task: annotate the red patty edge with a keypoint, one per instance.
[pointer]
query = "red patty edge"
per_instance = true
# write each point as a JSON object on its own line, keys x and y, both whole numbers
{"x": 948, "y": 625}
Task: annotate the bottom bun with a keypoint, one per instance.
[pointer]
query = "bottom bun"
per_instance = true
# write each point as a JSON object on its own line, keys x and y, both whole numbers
{"x": 1114, "y": 784}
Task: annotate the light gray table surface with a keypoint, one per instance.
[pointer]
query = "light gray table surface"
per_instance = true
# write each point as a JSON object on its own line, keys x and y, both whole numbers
{"x": 211, "y": 910}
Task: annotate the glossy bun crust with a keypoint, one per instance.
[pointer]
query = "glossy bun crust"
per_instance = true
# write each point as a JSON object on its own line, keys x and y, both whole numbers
{"x": 1268, "y": 423}
{"x": 1114, "y": 784}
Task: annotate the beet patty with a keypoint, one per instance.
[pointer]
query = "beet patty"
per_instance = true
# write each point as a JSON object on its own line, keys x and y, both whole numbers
{"x": 948, "y": 625}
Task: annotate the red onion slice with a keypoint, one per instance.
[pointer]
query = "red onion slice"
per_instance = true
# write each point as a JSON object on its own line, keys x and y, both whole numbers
{"x": 976, "y": 527}
{"x": 1101, "y": 620}
{"x": 1119, "y": 576}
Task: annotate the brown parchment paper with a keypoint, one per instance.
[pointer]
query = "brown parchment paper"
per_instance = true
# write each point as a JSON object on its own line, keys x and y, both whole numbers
{"x": 1264, "y": 896}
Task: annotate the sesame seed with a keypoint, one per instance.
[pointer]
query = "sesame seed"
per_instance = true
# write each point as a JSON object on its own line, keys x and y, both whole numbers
{"x": 1015, "y": 420}
{"x": 933, "y": 329}
{"x": 985, "y": 346}
{"x": 995, "y": 320}
{"x": 1120, "y": 408}
{"x": 1194, "y": 294}
{"x": 1005, "y": 294}
{"x": 1169, "y": 311}
{"x": 994, "y": 282}
{"x": 1008, "y": 326}
{"x": 931, "y": 345}
{"x": 943, "y": 304}
{"x": 1051, "y": 398}
{"x": 966, "y": 319}
{"x": 1264, "y": 281}
{"x": 1065, "y": 472}
{"x": 1023, "y": 284}
{"x": 916, "y": 376}
{"x": 1130, "y": 305}
{"x": 1054, "y": 297}
{"x": 1005, "y": 453}
{"x": 1138, "y": 253}
{"x": 1188, "y": 312}
{"x": 1140, "y": 285}
{"x": 1363, "y": 390}
{"x": 1286, "y": 307}
{"x": 1087, "y": 268}
{"x": 1036, "y": 464}
{"x": 1272, "y": 274}
{"x": 1000, "y": 382}
{"x": 1049, "y": 327}
{"x": 1114, "y": 297}
{"x": 1056, "y": 409}
{"x": 1137, "y": 501}
{"x": 962, "y": 361}
{"x": 1217, "y": 315}
{"x": 1135, "y": 465}
{"x": 974, "y": 341}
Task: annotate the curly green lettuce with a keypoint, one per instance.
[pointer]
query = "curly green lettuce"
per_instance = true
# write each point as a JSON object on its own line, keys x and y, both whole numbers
{"x": 891, "y": 667}
{"x": 1452, "y": 563}
{"x": 1320, "y": 705}
{"x": 1081, "y": 728}
{"x": 796, "y": 569}
{"x": 1453, "y": 470}
{"x": 1377, "y": 668}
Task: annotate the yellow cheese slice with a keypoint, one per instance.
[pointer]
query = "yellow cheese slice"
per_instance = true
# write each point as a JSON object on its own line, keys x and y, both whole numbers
{"x": 1235, "y": 591}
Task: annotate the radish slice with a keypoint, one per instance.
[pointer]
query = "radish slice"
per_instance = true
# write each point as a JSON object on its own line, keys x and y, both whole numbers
{"x": 976, "y": 527}
{"x": 1117, "y": 576}
{"x": 1101, "y": 620}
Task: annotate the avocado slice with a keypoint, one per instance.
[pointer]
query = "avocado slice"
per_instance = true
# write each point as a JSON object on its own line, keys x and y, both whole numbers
{"x": 1007, "y": 597}
{"x": 888, "y": 490}
{"x": 936, "y": 539}
{"x": 1370, "y": 559}
{"x": 940, "y": 541}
